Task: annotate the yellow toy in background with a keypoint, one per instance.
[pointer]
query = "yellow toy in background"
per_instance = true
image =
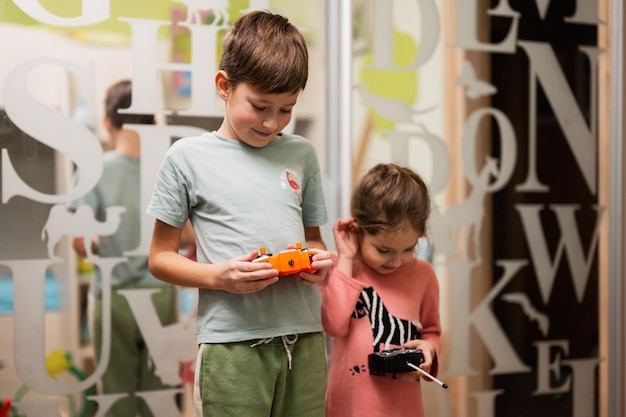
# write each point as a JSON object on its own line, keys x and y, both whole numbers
{"x": 57, "y": 363}
{"x": 290, "y": 261}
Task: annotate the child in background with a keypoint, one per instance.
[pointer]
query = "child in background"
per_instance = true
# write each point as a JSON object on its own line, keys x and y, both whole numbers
{"x": 380, "y": 296}
{"x": 247, "y": 185}
{"x": 130, "y": 366}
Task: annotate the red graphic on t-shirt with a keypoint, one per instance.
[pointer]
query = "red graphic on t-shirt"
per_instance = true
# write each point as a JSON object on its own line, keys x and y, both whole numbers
{"x": 292, "y": 181}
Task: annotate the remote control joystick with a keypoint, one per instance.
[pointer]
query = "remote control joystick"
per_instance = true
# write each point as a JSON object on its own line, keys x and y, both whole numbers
{"x": 395, "y": 361}
{"x": 290, "y": 261}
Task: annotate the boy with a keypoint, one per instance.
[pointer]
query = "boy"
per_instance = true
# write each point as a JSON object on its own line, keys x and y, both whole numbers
{"x": 247, "y": 185}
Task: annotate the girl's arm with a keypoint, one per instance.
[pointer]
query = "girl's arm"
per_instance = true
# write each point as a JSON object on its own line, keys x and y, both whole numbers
{"x": 430, "y": 341}
{"x": 339, "y": 297}
{"x": 340, "y": 291}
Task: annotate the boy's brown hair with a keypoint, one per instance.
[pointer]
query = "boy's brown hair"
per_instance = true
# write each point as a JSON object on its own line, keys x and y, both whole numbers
{"x": 387, "y": 196}
{"x": 266, "y": 51}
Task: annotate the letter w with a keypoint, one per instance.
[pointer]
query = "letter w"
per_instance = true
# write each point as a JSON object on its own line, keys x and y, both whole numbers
{"x": 570, "y": 242}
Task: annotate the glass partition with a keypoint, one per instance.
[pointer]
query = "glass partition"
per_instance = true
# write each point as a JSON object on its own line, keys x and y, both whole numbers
{"x": 503, "y": 107}
{"x": 58, "y": 60}
{"x": 510, "y": 110}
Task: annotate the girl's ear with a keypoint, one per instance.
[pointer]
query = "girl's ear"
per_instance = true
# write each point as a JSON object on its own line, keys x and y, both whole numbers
{"x": 221, "y": 84}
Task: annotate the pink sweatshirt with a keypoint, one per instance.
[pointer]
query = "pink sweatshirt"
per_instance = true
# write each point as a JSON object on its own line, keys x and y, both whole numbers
{"x": 410, "y": 294}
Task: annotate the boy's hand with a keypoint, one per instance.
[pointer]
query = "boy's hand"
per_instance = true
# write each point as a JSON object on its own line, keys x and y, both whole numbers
{"x": 321, "y": 262}
{"x": 242, "y": 276}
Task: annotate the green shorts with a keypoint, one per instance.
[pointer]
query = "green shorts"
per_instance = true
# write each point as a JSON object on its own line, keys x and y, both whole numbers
{"x": 279, "y": 377}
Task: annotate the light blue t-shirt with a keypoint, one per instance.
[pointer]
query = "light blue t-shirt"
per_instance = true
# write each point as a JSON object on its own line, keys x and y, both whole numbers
{"x": 240, "y": 198}
{"x": 119, "y": 186}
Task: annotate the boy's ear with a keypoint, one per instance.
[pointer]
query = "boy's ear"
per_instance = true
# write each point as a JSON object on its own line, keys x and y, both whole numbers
{"x": 221, "y": 84}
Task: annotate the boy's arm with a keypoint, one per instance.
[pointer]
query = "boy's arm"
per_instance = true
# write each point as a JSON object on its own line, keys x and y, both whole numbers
{"x": 238, "y": 275}
{"x": 188, "y": 241}
{"x": 313, "y": 236}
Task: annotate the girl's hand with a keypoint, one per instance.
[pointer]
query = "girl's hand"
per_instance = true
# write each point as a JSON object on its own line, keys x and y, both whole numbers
{"x": 428, "y": 350}
{"x": 346, "y": 238}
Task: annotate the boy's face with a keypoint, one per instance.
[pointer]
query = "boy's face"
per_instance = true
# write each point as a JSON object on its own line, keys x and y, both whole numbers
{"x": 386, "y": 252}
{"x": 252, "y": 117}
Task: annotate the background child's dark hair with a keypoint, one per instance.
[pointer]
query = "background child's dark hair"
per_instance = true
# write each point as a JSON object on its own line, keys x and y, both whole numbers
{"x": 388, "y": 195}
{"x": 266, "y": 51}
{"x": 119, "y": 96}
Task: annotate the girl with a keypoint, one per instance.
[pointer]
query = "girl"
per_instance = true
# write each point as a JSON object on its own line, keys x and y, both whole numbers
{"x": 379, "y": 296}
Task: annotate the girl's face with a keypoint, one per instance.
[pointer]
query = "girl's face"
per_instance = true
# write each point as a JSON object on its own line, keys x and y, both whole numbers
{"x": 386, "y": 252}
{"x": 252, "y": 117}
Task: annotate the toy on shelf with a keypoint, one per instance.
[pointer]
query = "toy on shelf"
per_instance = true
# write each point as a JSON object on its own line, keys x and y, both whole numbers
{"x": 290, "y": 261}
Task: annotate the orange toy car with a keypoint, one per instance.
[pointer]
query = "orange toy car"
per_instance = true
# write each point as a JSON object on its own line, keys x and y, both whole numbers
{"x": 290, "y": 261}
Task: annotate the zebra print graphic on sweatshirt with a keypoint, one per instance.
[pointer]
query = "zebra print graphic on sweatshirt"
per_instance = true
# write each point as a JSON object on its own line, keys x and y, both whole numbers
{"x": 386, "y": 328}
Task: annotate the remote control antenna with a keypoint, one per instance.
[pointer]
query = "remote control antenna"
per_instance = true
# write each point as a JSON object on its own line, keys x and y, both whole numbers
{"x": 423, "y": 372}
